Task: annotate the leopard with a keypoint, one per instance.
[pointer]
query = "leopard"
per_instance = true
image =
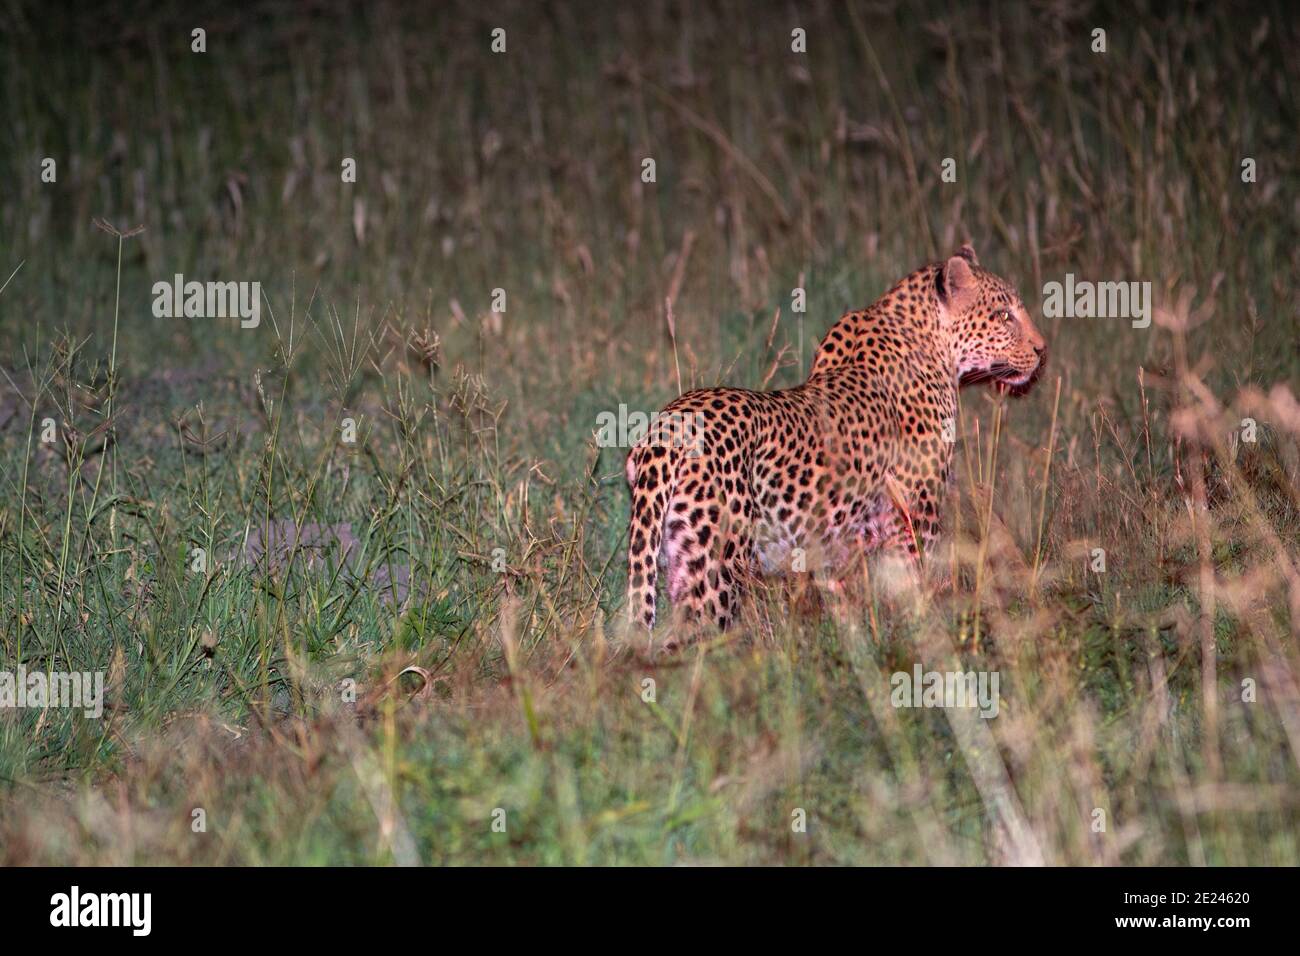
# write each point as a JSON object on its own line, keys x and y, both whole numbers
{"x": 729, "y": 485}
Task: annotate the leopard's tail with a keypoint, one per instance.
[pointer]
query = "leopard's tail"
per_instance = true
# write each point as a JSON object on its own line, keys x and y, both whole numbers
{"x": 650, "y": 474}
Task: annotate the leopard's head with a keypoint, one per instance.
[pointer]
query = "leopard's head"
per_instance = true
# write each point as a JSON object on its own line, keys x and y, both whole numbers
{"x": 992, "y": 336}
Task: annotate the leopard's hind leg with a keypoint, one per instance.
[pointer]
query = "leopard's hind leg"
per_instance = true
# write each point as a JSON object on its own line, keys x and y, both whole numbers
{"x": 650, "y": 474}
{"x": 702, "y": 549}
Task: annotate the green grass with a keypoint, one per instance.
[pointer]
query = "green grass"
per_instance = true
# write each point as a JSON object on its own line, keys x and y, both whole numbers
{"x": 1121, "y": 692}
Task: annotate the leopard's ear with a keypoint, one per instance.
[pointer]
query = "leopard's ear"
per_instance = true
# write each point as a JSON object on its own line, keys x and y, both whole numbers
{"x": 967, "y": 252}
{"x": 959, "y": 283}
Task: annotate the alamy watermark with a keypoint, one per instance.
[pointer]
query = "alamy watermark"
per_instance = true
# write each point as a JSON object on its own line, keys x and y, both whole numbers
{"x": 923, "y": 688}
{"x": 63, "y": 689}
{"x": 1083, "y": 299}
{"x": 208, "y": 300}
{"x": 623, "y": 429}
{"x": 133, "y": 911}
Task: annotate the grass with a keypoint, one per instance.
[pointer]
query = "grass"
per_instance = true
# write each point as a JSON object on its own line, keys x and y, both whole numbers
{"x": 468, "y": 666}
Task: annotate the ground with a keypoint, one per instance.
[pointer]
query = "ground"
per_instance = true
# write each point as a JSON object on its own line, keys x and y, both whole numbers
{"x": 407, "y": 648}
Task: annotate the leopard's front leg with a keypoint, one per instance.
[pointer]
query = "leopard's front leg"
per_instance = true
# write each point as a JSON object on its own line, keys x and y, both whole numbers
{"x": 910, "y": 523}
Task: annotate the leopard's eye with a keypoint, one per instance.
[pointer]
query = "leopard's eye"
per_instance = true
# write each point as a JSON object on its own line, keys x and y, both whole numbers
{"x": 1004, "y": 316}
